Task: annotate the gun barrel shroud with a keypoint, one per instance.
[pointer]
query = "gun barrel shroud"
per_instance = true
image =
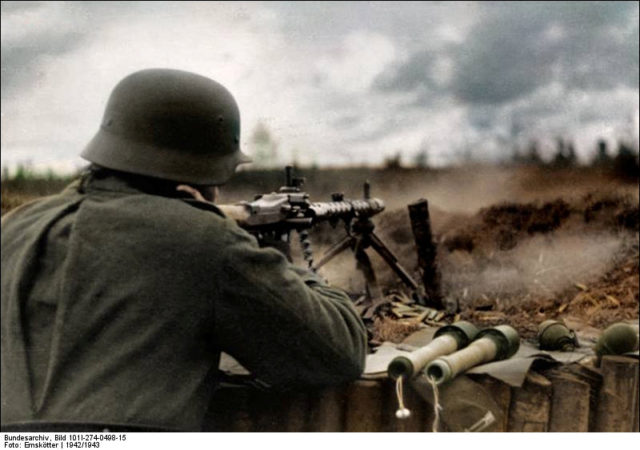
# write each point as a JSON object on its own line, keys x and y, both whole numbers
{"x": 274, "y": 210}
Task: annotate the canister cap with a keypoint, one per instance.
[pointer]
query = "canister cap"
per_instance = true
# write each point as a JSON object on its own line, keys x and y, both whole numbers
{"x": 506, "y": 338}
{"x": 464, "y": 332}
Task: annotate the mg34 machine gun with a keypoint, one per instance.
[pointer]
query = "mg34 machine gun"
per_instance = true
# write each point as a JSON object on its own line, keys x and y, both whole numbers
{"x": 275, "y": 215}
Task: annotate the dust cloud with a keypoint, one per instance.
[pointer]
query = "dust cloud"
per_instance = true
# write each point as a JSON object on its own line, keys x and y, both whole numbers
{"x": 503, "y": 236}
{"x": 542, "y": 266}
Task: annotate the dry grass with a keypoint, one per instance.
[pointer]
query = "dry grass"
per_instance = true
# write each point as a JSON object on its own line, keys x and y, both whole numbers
{"x": 391, "y": 330}
{"x": 12, "y": 200}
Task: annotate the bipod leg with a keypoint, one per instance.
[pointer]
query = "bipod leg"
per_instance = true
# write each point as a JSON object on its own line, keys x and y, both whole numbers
{"x": 364, "y": 265}
{"x": 374, "y": 293}
{"x": 345, "y": 243}
{"x": 392, "y": 260}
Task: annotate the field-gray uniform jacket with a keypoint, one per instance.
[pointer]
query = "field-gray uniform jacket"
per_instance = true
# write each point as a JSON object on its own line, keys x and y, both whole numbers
{"x": 117, "y": 303}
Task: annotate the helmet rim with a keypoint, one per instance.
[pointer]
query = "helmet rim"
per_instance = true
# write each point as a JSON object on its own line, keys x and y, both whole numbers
{"x": 120, "y": 153}
{"x": 169, "y": 124}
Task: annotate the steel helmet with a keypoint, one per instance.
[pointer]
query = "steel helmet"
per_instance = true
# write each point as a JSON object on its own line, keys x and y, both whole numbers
{"x": 170, "y": 124}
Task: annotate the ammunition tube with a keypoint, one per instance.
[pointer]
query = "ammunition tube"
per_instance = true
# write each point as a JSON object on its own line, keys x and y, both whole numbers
{"x": 447, "y": 367}
{"x": 491, "y": 344}
{"x": 408, "y": 366}
{"x": 447, "y": 340}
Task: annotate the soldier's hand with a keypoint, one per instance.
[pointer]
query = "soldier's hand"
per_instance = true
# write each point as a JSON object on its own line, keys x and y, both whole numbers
{"x": 191, "y": 191}
{"x": 207, "y": 194}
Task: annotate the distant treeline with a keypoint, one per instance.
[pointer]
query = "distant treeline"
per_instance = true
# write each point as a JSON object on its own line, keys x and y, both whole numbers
{"x": 623, "y": 161}
{"x": 33, "y": 183}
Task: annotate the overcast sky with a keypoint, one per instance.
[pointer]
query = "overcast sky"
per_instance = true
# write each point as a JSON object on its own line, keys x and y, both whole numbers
{"x": 334, "y": 83}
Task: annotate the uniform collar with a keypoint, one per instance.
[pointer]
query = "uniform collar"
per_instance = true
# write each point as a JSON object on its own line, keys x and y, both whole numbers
{"x": 129, "y": 184}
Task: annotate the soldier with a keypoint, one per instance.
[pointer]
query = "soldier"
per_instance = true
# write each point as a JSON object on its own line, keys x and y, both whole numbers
{"x": 119, "y": 293}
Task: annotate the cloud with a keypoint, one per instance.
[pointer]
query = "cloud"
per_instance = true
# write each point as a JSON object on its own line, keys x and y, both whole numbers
{"x": 54, "y": 101}
{"x": 31, "y": 32}
{"x": 334, "y": 82}
{"x": 515, "y": 49}
{"x": 9, "y": 7}
{"x": 361, "y": 57}
{"x": 529, "y": 70}
{"x": 413, "y": 24}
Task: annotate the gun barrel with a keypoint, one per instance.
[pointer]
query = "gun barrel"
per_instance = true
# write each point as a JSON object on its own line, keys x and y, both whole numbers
{"x": 272, "y": 210}
{"x": 369, "y": 207}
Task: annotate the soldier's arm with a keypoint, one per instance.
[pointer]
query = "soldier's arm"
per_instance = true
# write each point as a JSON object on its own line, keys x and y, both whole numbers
{"x": 282, "y": 323}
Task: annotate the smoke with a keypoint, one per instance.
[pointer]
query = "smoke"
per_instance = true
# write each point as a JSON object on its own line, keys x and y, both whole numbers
{"x": 534, "y": 263}
{"x": 541, "y": 266}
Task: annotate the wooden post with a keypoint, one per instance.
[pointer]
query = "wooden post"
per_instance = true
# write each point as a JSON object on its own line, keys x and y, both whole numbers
{"x": 530, "y": 405}
{"x": 617, "y": 407}
{"x": 593, "y": 378}
{"x": 501, "y": 393}
{"x": 230, "y": 410}
{"x": 364, "y": 406}
{"x": 266, "y": 412}
{"x": 464, "y": 403}
{"x": 298, "y": 412}
{"x": 421, "y": 226}
{"x": 636, "y": 407}
{"x": 569, "y": 403}
{"x": 328, "y": 410}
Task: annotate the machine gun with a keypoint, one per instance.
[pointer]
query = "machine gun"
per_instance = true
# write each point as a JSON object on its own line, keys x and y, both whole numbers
{"x": 277, "y": 214}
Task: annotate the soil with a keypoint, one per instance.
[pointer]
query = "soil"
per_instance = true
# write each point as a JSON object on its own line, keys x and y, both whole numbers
{"x": 515, "y": 245}
{"x": 521, "y": 263}
{"x": 601, "y": 298}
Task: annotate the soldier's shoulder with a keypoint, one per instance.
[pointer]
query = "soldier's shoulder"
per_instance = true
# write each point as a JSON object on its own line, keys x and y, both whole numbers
{"x": 207, "y": 208}
{"x": 203, "y": 217}
{"x": 39, "y": 206}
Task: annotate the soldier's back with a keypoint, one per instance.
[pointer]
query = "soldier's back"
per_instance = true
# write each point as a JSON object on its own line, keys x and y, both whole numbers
{"x": 106, "y": 308}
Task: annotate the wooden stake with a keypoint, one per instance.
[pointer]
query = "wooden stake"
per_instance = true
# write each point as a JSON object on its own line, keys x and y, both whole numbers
{"x": 298, "y": 412}
{"x": 230, "y": 410}
{"x": 501, "y": 393}
{"x": 364, "y": 406}
{"x": 569, "y": 403}
{"x": 328, "y": 410}
{"x": 421, "y": 226}
{"x": 593, "y": 378}
{"x": 530, "y": 405}
{"x": 618, "y": 400}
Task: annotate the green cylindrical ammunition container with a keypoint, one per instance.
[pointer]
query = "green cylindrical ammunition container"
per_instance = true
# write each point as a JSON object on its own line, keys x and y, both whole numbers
{"x": 491, "y": 344}
{"x": 447, "y": 340}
